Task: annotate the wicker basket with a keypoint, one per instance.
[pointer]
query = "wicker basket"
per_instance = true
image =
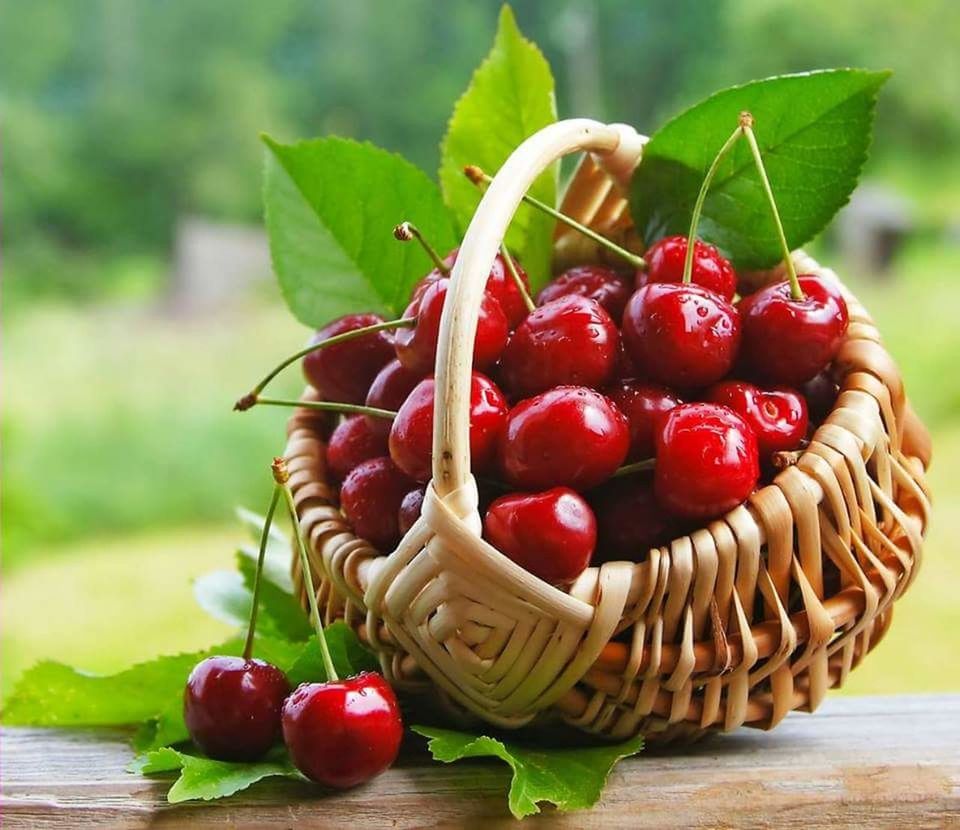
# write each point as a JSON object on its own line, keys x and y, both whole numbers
{"x": 754, "y": 615}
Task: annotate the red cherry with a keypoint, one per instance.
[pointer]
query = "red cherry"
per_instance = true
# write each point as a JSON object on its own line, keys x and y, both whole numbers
{"x": 411, "y": 436}
{"x": 821, "y": 394}
{"x": 352, "y": 443}
{"x": 343, "y": 732}
{"x": 629, "y": 520}
{"x": 569, "y": 341}
{"x": 231, "y": 707}
{"x": 569, "y": 436}
{"x": 551, "y": 534}
{"x": 707, "y": 461}
{"x": 389, "y": 390}
{"x": 778, "y": 416}
{"x": 681, "y": 334}
{"x": 788, "y": 341}
{"x": 595, "y": 282}
{"x": 417, "y": 346}
{"x": 370, "y": 498}
{"x": 644, "y": 404}
{"x": 343, "y": 372}
{"x": 711, "y": 270}
{"x": 410, "y": 509}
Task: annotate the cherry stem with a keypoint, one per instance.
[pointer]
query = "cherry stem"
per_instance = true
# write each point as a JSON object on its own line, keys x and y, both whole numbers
{"x": 515, "y": 275}
{"x": 252, "y": 398}
{"x": 258, "y": 577}
{"x": 746, "y": 124}
{"x": 636, "y": 467}
{"x": 701, "y": 198}
{"x": 282, "y": 476}
{"x": 479, "y": 178}
{"x": 406, "y": 231}
{"x": 329, "y": 406}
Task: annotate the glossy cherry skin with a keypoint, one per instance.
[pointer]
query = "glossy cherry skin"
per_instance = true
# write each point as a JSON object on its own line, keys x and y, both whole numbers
{"x": 232, "y": 706}
{"x": 417, "y": 346}
{"x": 820, "y": 393}
{"x": 644, "y": 404}
{"x": 343, "y": 732}
{"x": 411, "y": 436}
{"x": 370, "y": 499}
{"x": 410, "y": 509}
{"x": 629, "y": 520}
{"x": 568, "y": 341}
{"x": 552, "y": 534}
{"x": 777, "y": 416}
{"x": 681, "y": 335}
{"x": 707, "y": 461}
{"x": 352, "y": 443}
{"x": 711, "y": 269}
{"x": 595, "y": 282}
{"x": 390, "y": 388}
{"x": 787, "y": 341}
{"x": 570, "y": 436}
{"x": 343, "y": 372}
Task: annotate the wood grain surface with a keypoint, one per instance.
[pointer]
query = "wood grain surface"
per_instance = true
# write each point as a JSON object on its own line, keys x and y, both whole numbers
{"x": 859, "y": 762}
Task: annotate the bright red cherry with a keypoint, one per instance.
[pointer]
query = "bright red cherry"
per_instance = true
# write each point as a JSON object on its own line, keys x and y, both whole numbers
{"x": 644, "y": 404}
{"x": 569, "y": 436}
{"x": 231, "y": 707}
{"x": 629, "y": 520}
{"x": 343, "y": 732}
{"x": 411, "y": 436}
{"x": 821, "y": 394}
{"x": 551, "y": 534}
{"x": 370, "y": 498}
{"x": 787, "y": 341}
{"x": 707, "y": 461}
{"x": 389, "y": 390}
{"x": 777, "y": 416}
{"x": 343, "y": 372}
{"x": 417, "y": 346}
{"x": 610, "y": 288}
{"x": 681, "y": 334}
{"x": 352, "y": 443}
{"x": 711, "y": 270}
{"x": 410, "y": 509}
{"x": 569, "y": 341}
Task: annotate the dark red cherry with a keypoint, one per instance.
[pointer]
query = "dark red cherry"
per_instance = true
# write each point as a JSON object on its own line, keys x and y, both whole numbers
{"x": 370, "y": 499}
{"x": 343, "y": 372}
{"x": 707, "y": 461}
{"x": 569, "y": 436}
{"x": 610, "y": 288}
{"x": 411, "y": 436}
{"x": 681, "y": 334}
{"x": 787, "y": 341}
{"x": 410, "y": 509}
{"x": 390, "y": 388}
{"x": 625, "y": 368}
{"x": 569, "y": 341}
{"x": 711, "y": 270}
{"x": 231, "y": 707}
{"x": 644, "y": 404}
{"x": 352, "y": 443}
{"x": 417, "y": 346}
{"x": 551, "y": 534}
{"x": 629, "y": 520}
{"x": 777, "y": 416}
{"x": 821, "y": 394}
{"x": 343, "y": 732}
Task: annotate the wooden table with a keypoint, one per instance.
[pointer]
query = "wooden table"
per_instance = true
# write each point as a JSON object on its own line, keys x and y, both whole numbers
{"x": 859, "y": 762}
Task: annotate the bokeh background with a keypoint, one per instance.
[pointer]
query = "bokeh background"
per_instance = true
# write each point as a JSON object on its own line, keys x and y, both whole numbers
{"x": 137, "y": 299}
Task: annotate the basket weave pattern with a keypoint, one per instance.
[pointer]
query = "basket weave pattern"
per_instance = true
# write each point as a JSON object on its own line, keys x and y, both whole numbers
{"x": 754, "y": 615}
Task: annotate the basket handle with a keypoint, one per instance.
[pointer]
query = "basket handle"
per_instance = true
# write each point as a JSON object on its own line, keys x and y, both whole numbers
{"x": 620, "y": 146}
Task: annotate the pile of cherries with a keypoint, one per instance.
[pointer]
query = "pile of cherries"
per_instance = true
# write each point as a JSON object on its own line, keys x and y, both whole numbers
{"x": 621, "y": 410}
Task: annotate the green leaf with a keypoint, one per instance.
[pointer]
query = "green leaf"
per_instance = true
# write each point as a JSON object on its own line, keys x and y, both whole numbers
{"x": 573, "y": 779}
{"x": 510, "y": 97}
{"x": 814, "y": 131}
{"x": 205, "y": 779}
{"x": 331, "y": 205}
{"x": 349, "y": 655}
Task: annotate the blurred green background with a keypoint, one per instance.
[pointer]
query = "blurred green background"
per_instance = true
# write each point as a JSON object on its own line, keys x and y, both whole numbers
{"x": 136, "y": 297}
